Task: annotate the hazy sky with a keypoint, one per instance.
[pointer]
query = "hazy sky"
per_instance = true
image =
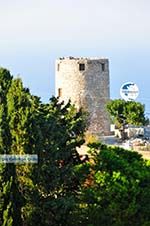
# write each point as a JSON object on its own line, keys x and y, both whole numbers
{"x": 33, "y": 33}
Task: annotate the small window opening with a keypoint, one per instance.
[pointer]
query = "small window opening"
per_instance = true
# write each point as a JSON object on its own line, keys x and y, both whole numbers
{"x": 58, "y": 67}
{"x": 81, "y": 67}
{"x": 60, "y": 92}
{"x": 103, "y": 67}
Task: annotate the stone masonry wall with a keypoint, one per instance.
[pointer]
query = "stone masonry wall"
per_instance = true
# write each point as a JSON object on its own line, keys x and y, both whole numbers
{"x": 88, "y": 88}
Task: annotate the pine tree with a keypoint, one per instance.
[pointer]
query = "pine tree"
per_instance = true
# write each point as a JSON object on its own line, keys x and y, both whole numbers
{"x": 12, "y": 141}
{"x": 56, "y": 177}
{"x": 5, "y": 144}
{"x": 22, "y": 129}
{"x": 46, "y": 193}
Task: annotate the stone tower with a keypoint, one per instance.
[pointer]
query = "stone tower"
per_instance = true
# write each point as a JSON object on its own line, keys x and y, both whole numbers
{"x": 86, "y": 82}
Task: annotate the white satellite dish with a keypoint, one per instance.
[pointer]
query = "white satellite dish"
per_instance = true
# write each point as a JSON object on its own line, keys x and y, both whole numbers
{"x": 129, "y": 91}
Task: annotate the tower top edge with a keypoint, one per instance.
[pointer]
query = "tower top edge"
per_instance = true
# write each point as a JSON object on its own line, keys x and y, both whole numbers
{"x": 81, "y": 58}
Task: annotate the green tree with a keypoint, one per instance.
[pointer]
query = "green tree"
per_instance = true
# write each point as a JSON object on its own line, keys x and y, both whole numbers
{"x": 9, "y": 201}
{"x": 132, "y": 112}
{"x": 46, "y": 193}
{"x": 57, "y": 177}
{"x": 120, "y": 190}
{"x": 17, "y": 113}
{"x": 126, "y": 112}
{"x": 5, "y": 143}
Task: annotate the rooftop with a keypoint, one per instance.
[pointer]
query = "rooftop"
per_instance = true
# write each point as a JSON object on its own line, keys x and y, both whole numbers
{"x": 82, "y": 58}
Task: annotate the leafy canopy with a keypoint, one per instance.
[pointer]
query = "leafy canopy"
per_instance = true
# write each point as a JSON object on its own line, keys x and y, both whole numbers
{"x": 128, "y": 112}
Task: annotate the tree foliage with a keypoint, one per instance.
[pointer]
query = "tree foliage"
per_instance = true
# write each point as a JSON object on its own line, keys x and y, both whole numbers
{"x": 10, "y": 206}
{"x": 113, "y": 188}
{"x": 119, "y": 193}
{"x": 56, "y": 178}
{"x": 42, "y": 194}
{"x": 129, "y": 112}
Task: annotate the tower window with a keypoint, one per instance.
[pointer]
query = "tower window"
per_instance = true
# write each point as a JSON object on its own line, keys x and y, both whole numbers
{"x": 81, "y": 67}
{"x": 58, "y": 67}
{"x": 60, "y": 92}
{"x": 103, "y": 67}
